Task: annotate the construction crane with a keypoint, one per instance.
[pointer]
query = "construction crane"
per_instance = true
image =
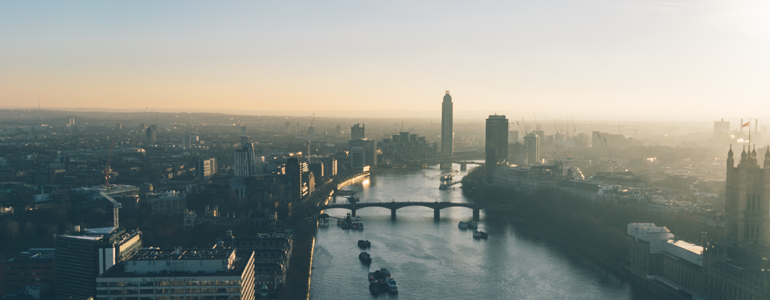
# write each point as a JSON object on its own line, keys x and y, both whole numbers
{"x": 574, "y": 130}
{"x": 309, "y": 137}
{"x": 107, "y": 169}
{"x": 116, "y": 206}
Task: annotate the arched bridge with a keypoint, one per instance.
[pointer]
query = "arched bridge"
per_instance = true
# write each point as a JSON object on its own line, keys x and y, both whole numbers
{"x": 393, "y": 206}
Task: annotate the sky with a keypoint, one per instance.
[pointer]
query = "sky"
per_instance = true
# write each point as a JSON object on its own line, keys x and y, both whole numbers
{"x": 604, "y": 59}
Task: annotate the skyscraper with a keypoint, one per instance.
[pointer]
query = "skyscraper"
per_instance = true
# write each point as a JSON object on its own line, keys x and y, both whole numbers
{"x": 186, "y": 143}
{"x": 496, "y": 143}
{"x": 447, "y": 132}
{"x": 357, "y": 132}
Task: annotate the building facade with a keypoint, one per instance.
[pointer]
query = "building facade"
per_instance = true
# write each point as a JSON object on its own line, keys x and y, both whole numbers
{"x": 82, "y": 255}
{"x": 357, "y": 132}
{"x": 447, "y": 123}
{"x": 532, "y": 143}
{"x": 171, "y": 203}
{"x": 496, "y": 144}
{"x": 747, "y": 200}
{"x": 180, "y": 274}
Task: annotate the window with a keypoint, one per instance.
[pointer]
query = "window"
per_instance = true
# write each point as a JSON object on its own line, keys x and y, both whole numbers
{"x": 145, "y": 291}
{"x": 192, "y": 298}
{"x": 192, "y": 283}
{"x": 177, "y": 283}
{"x": 193, "y": 290}
{"x": 161, "y": 291}
{"x": 207, "y": 290}
{"x": 161, "y": 283}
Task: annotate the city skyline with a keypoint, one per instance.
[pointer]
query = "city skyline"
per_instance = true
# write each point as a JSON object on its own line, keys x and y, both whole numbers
{"x": 591, "y": 59}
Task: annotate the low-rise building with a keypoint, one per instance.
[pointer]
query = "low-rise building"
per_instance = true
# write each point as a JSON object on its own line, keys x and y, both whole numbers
{"x": 32, "y": 267}
{"x": 181, "y": 274}
{"x": 168, "y": 203}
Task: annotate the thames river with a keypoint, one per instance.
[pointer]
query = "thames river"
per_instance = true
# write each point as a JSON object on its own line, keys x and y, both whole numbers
{"x": 437, "y": 260}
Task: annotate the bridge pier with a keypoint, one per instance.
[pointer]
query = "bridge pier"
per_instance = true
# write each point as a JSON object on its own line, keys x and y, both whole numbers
{"x": 353, "y": 213}
{"x": 436, "y": 214}
{"x": 475, "y": 215}
{"x": 445, "y": 165}
{"x": 393, "y": 214}
{"x": 463, "y": 167}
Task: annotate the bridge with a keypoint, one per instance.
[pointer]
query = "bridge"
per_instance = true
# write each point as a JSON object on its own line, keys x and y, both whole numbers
{"x": 393, "y": 206}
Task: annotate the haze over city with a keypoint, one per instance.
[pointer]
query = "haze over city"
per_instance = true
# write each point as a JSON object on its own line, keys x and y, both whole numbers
{"x": 612, "y": 60}
{"x": 249, "y": 150}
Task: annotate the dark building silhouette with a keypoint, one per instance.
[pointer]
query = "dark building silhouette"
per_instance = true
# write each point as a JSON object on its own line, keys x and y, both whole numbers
{"x": 151, "y": 134}
{"x": 496, "y": 143}
{"x": 532, "y": 142}
{"x": 447, "y": 130}
{"x": 357, "y": 132}
{"x": 294, "y": 172}
{"x": 82, "y": 255}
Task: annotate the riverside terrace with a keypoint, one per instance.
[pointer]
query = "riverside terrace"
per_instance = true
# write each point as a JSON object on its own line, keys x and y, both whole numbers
{"x": 393, "y": 206}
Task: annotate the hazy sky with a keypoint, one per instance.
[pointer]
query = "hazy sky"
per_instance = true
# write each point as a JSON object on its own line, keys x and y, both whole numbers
{"x": 596, "y": 58}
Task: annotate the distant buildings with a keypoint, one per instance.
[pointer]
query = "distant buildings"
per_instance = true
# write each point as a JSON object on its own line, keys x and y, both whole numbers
{"x": 186, "y": 142}
{"x": 170, "y": 203}
{"x": 205, "y": 168}
{"x": 362, "y": 153}
{"x": 532, "y": 144}
{"x": 357, "y": 132}
{"x": 496, "y": 147}
{"x": 405, "y": 147}
{"x": 181, "y": 274}
{"x": 246, "y": 162}
{"x": 151, "y": 135}
{"x": 447, "y": 129}
{"x": 82, "y": 255}
{"x": 338, "y": 131}
{"x": 721, "y": 129}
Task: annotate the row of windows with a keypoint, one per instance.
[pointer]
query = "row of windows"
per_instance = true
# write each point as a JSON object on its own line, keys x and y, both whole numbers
{"x": 230, "y": 297}
{"x": 30, "y": 274}
{"x": 167, "y": 283}
{"x": 22, "y": 268}
{"x": 169, "y": 291}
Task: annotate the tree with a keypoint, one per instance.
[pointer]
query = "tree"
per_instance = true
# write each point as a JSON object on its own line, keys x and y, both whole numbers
{"x": 10, "y": 229}
{"x": 29, "y": 230}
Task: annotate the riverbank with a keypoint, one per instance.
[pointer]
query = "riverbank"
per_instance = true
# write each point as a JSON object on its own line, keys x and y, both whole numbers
{"x": 297, "y": 285}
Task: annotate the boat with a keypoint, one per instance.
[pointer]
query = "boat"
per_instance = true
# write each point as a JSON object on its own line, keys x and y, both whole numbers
{"x": 371, "y": 277}
{"x": 360, "y": 226}
{"x": 364, "y": 243}
{"x": 462, "y": 225}
{"x": 264, "y": 291}
{"x": 354, "y": 226}
{"x": 340, "y": 223}
{"x": 442, "y": 187}
{"x": 358, "y": 218}
{"x": 392, "y": 286}
{"x": 385, "y": 272}
{"x": 473, "y": 225}
{"x": 374, "y": 289}
{"x": 479, "y": 234}
{"x": 365, "y": 257}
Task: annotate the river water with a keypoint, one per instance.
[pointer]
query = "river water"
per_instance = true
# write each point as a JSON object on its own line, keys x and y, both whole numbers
{"x": 437, "y": 260}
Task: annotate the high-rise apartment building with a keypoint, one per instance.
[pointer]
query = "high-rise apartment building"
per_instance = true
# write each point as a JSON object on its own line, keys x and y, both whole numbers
{"x": 288, "y": 128}
{"x": 186, "y": 141}
{"x": 338, "y": 131}
{"x": 532, "y": 142}
{"x": 357, "y": 132}
{"x": 447, "y": 129}
{"x": 496, "y": 145}
{"x": 82, "y": 255}
{"x": 205, "y": 168}
{"x": 747, "y": 200}
{"x": 152, "y": 134}
{"x": 294, "y": 172}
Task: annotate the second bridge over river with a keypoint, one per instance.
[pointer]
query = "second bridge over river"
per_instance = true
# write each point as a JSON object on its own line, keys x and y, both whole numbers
{"x": 393, "y": 206}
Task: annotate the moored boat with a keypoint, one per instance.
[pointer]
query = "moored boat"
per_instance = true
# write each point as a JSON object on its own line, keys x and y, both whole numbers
{"x": 365, "y": 257}
{"x": 361, "y": 226}
{"x": 364, "y": 243}
{"x": 340, "y": 223}
{"x": 385, "y": 272}
{"x": 392, "y": 285}
{"x": 374, "y": 289}
{"x": 462, "y": 225}
{"x": 473, "y": 225}
{"x": 477, "y": 234}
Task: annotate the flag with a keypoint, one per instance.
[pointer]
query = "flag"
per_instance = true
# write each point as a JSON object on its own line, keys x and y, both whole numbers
{"x": 746, "y": 125}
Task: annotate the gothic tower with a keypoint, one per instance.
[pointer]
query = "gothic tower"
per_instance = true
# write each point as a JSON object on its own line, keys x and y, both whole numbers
{"x": 747, "y": 209}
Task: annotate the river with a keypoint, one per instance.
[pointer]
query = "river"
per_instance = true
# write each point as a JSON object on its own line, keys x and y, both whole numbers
{"x": 437, "y": 260}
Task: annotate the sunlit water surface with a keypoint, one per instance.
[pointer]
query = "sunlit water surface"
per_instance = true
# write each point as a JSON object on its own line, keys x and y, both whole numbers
{"x": 437, "y": 260}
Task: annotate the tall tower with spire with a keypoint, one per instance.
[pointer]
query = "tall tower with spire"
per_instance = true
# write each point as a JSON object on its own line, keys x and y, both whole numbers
{"x": 447, "y": 130}
{"x": 747, "y": 201}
